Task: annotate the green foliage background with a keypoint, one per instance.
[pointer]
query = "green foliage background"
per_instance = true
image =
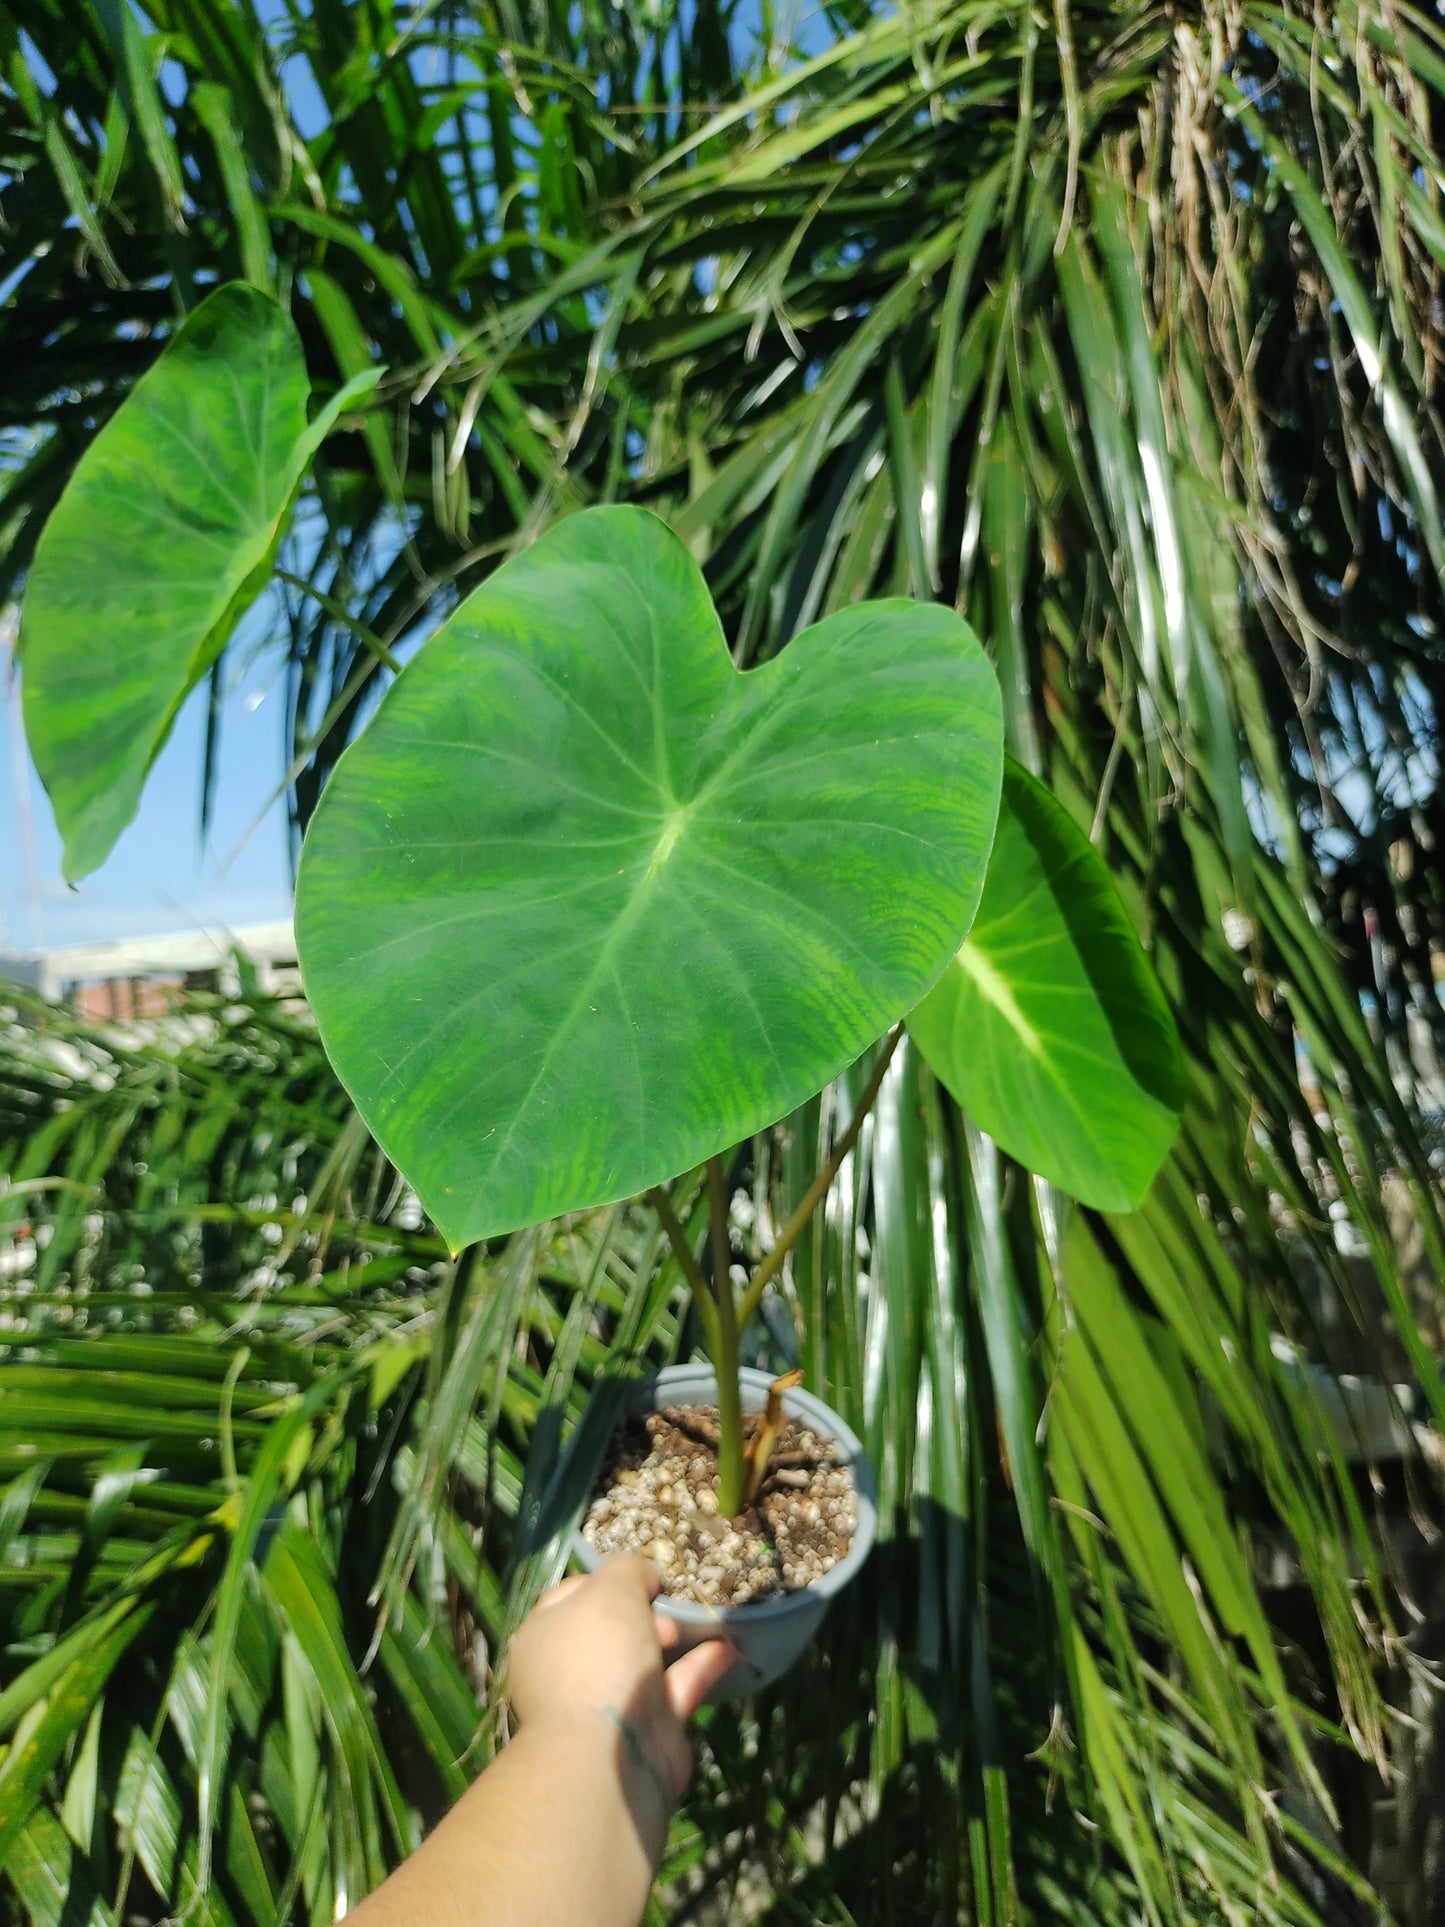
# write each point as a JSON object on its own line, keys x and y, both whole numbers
{"x": 1117, "y": 328}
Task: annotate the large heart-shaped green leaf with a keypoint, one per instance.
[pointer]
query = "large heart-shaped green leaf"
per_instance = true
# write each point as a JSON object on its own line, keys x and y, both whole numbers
{"x": 163, "y": 538}
{"x": 1049, "y": 1026}
{"x": 585, "y": 905}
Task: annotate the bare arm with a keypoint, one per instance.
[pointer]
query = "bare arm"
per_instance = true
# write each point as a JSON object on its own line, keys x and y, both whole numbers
{"x": 565, "y": 1827}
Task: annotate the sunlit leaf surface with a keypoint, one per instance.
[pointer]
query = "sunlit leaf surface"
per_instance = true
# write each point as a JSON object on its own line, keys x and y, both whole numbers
{"x": 585, "y": 905}
{"x": 163, "y": 539}
{"x": 1049, "y": 1026}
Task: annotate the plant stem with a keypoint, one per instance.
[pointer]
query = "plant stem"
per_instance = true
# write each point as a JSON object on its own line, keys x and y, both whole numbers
{"x": 691, "y": 1270}
{"x": 730, "y": 1459}
{"x": 723, "y": 1316}
{"x": 788, "y": 1237}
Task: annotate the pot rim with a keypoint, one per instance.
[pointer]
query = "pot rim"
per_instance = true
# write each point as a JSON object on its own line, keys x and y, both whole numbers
{"x": 696, "y": 1381}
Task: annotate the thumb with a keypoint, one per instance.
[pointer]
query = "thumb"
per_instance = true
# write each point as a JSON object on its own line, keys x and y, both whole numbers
{"x": 561, "y": 1591}
{"x": 691, "y": 1678}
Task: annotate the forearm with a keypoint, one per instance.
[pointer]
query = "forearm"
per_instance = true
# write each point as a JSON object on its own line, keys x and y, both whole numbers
{"x": 562, "y": 1830}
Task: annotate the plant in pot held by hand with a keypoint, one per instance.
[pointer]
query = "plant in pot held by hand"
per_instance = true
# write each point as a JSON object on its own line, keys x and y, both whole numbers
{"x": 584, "y": 907}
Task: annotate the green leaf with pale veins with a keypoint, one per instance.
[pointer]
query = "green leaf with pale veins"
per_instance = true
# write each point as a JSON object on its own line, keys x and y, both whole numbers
{"x": 1049, "y": 1026}
{"x": 163, "y": 538}
{"x": 585, "y": 905}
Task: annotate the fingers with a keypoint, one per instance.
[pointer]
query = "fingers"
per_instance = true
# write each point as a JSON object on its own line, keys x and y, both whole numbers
{"x": 630, "y": 1571}
{"x": 560, "y": 1592}
{"x": 690, "y": 1679}
{"x": 625, "y": 1570}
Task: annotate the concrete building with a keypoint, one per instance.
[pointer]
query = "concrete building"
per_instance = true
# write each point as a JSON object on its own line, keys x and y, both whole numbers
{"x": 136, "y": 978}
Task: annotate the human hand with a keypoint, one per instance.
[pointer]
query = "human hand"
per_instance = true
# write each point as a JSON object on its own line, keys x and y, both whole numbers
{"x": 595, "y": 1643}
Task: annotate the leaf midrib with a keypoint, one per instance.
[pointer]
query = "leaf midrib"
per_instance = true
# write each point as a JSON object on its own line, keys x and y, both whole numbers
{"x": 621, "y": 927}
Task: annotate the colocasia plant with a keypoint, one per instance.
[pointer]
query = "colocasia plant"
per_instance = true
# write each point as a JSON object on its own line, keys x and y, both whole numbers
{"x": 584, "y": 907}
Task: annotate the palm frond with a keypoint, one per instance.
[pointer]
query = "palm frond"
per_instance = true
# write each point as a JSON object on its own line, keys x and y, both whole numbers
{"x": 1120, "y": 332}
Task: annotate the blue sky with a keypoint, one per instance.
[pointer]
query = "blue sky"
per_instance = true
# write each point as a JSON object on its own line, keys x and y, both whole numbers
{"x": 159, "y": 877}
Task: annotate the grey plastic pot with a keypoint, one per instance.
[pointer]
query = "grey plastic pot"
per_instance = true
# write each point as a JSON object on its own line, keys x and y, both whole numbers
{"x": 773, "y": 1633}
